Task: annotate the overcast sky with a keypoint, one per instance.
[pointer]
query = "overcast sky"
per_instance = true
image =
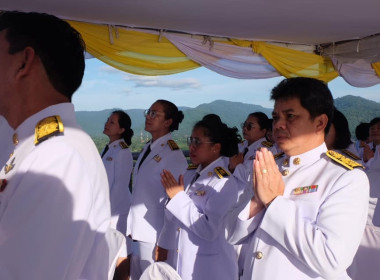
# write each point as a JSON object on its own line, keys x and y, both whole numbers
{"x": 105, "y": 87}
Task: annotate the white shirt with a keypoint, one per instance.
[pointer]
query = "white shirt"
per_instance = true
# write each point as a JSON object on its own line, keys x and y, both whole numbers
{"x": 55, "y": 209}
{"x": 309, "y": 232}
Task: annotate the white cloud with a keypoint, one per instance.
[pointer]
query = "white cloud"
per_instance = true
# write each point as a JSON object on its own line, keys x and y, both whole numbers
{"x": 158, "y": 81}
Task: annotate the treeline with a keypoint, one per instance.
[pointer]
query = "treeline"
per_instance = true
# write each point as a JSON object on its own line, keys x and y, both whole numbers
{"x": 356, "y": 109}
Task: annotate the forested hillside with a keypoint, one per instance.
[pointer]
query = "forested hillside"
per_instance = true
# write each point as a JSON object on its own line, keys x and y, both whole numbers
{"x": 356, "y": 109}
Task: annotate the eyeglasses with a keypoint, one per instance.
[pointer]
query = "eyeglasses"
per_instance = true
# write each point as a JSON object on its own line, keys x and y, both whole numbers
{"x": 247, "y": 125}
{"x": 195, "y": 142}
{"x": 151, "y": 113}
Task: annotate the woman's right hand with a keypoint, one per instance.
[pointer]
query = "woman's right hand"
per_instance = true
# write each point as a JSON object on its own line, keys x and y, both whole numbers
{"x": 170, "y": 184}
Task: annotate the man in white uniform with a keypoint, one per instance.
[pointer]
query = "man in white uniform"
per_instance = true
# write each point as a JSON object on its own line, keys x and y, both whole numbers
{"x": 54, "y": 201}
{"x": 309, "y": 210}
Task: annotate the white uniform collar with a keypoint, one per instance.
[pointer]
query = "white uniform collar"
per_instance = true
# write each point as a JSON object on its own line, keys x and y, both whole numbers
{"x": 162, "y": 140}
{"x": 256, "y": 144}
{"x": 116, "y": 142}
{"x": 306, "y": 158}
{"x": 211, "y": 165}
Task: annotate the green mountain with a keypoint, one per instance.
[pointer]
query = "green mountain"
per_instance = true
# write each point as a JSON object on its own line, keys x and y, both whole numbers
{"x": 356, "y": 109}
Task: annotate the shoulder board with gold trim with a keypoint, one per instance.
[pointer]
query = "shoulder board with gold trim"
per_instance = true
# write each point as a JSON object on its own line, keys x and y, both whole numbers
{"x": 346, "y": 162}
{"x": 267, "y": 144}
{"x": 192, "y": 166}
{"x": 123, "y": 145}
{"x": 278, "y": 155}
{"x": 46, "y": 128}
{"x": 173, "y": 145}
{"x": 351, "y": 154}
{"x": 221, "y": 172}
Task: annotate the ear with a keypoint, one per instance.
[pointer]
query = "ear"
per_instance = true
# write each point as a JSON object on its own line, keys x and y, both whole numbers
{"x": 121, "y": 130}
{"x": 217, "y": 147}
{"x": 26, "y": 59}
{"x": 320, "y": 123}
{"x": 168, "y": 123}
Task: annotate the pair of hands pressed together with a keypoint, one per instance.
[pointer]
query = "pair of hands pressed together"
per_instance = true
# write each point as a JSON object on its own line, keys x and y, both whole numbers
{"x": 170, "y": 184}
{"x": 267, "y": 181}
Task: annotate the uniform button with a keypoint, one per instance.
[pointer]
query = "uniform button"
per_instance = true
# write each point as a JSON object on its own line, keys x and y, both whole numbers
{"x": 179, "y": 229}
{"x": 297, "y": 161}
{"x": 177, "y": 251}
{"x": 259, "y": 255}
{"x": 10, "y": 155}
{"x": 15, "y": 139}
{"x": 285, "y": 162}
{"x": 285, "y": 172}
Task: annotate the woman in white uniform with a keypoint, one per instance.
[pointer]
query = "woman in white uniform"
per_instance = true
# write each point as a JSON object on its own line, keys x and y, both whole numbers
{"x": 118, "y": 161}
{"x": 254, "y": 129}
{"x": 197, "y": 205}
{"x": 146, "y": 216}
{"x": 339, "y": 137}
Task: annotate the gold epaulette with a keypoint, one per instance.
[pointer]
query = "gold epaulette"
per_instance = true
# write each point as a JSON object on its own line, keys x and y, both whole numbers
{"x": 173, "y": 145}
{"x": 278, "y": 155}
{"x": 192, "y": 166}
{"x": 46, "y": 128}
{"x": 346, "y": 162}
{"x": 221, "y": 172}
{"x": 351, "y": 155}
{"x": 123, "y": 145}
{"x": 267, "y": 144}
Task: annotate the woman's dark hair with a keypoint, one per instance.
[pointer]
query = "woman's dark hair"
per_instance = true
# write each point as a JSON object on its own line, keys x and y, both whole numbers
{"x": 362, "y": 131}
{"x": 262, "y": 119}
{"x": 126, "y": 123}
{"x": 171, "y": 112}
{"x": 219, "y": 132}
{"x": 342, "y": 131}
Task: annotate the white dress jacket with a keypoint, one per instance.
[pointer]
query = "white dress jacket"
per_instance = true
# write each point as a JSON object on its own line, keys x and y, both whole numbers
{"x": 313, "y": 230}
{"x": 55, "y": 209}
{"x": 146, "y": 216}
{"x": 195, "y": 225}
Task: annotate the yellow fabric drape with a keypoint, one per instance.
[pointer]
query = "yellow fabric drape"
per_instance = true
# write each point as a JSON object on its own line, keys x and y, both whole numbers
{"x": 134, "y": 52}
{"x": 376, "y": 66}
{"x": 292, "y": 63}
{"x": 148, "y": 54}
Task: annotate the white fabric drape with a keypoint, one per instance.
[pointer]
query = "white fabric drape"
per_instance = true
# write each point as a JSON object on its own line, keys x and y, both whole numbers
{"x": 358, "y": 74}
{"x": 353, "y": 60}
{"x": 229, "y": 60}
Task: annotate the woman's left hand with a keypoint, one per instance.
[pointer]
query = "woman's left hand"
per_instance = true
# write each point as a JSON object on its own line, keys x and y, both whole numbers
{"x": 170, "y": 184}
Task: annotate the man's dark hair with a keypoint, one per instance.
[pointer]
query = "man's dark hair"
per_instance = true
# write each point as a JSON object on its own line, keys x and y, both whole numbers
{"x": 313, "y": 94}
{"x": 59, "y": 46}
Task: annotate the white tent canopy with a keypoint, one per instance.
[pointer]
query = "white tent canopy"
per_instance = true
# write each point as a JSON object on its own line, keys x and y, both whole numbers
{"x": 293, "y": 21}
{"x": 352, "y": 25}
